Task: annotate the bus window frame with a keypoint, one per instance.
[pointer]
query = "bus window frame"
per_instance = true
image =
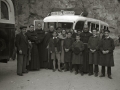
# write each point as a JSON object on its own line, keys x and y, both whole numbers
{"x": 8, "y": 8}
{"x": 74, "y": 25}
{"x": 11, "y": 13}
{"x": 55, "y": 24}
{"x": 36, "y": 22}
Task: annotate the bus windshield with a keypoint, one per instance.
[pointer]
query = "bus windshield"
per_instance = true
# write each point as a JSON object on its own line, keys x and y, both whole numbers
{"x": 64, "y": 25}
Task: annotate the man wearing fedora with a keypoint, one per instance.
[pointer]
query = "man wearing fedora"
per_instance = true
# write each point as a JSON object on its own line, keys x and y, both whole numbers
{"x": 22, "y": 49}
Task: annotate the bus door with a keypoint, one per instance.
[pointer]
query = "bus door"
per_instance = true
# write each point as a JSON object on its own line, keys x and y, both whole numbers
{"x": 7, "y": 30}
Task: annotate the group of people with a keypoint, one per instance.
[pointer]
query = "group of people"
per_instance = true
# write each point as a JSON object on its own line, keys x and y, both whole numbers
{"x": 65, "y": 50}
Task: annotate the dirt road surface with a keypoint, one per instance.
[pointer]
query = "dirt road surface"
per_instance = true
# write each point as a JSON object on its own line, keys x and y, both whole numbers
{"x": 48, "y": 80}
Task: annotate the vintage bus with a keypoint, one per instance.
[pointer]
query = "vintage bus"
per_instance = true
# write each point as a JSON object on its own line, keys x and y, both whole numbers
{"x": 68, "y": 20}
{"x": 7, "y": 30}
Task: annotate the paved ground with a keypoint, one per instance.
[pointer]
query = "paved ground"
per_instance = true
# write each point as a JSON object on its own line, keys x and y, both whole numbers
{"x": 48, "y": 80}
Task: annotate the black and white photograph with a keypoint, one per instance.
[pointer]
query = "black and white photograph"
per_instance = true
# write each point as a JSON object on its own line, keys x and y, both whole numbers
{"x": 59, "y": 44}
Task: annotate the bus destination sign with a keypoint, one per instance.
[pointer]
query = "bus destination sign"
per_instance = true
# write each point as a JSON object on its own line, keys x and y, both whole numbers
{"x": 63, "y": 13}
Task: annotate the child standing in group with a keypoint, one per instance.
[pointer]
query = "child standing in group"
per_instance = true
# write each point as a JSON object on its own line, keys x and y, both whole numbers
{"x": 68, "y": 52}
{"x": 77, "y": 57}
{"x": 55, "y": 50}
{"x": 93, "y": 45}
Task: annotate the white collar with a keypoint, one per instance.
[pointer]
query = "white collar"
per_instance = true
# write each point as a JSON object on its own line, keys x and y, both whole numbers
{"x": 54, "y": 37}
{"x": 107, "y": 37}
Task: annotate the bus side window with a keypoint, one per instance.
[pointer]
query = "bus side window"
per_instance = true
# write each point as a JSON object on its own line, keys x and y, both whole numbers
{"x": 97, "y": 27}
{"x": 46, "y": 26}
{"x": 92, "y": 26}
{"x": 4, "y": 11}
{"x": 105, "y": 27}
{"x": 79, "y": 25}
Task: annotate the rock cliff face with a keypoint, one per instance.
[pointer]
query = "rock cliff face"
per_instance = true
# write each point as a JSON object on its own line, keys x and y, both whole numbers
{"x": 106, "y": 10}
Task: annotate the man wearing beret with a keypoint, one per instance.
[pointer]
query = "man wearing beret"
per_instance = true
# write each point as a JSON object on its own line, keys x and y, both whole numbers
{"x": 22, "y": 48}
{"x": 106, "y": 57}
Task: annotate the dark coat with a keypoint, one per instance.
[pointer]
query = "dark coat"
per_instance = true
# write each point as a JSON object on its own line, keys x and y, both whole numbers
{"x": 41, "y": 49}
{"x": 40, "y": 35}
{"x": 74, "y": 35}
{"x": 35, "y": 62}
{"x": 107, "y": 59}
{"x": 52, "y": 43}
{"x": 46, "y": 55}
{"x": 93, "y": 44}
{"x": 84, "y": 36}
{"x": 77, "y": 59}
{"x": 67, "y": 45}
{"x": 22, "y": 43}
{"x": 46, "y": 40}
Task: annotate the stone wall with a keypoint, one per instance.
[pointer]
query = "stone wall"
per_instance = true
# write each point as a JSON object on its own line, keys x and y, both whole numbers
{"x": 106, "y": 10}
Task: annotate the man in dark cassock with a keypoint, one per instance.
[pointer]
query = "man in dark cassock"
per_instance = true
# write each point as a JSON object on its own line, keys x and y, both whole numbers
{"x": 40, "y": 38}
{"x": 85, "y": 35}
{"x": 33, "y": 40}
{"x": 46, "y": 53}
{"x": 22, "y": 48}
{"x": 106, "y": 54}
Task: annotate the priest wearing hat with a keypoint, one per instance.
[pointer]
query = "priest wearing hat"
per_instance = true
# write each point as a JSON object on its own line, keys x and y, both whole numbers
{"x": 85, "y": 35}
{"x": 106, "y": 56}
{"x": 22, "y": 48}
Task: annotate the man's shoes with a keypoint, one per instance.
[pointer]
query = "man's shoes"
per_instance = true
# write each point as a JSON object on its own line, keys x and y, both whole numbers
{"x": 20, "y": 74}
{"x": 82, "y": 73}
{"x": 71, "y": 71}
{"x": 38, "y": 69}
{"x": 109, "y": 76}
{"x": 90, "y": 74}
{"x": 76, "y": 73}
{"x": 26, "y": 71}
{"x": 102, "y": 75}
{"x": 65, "y": 70}
{"x": 54, "y": 70}
{"x": 96, "y": 74}
{"x": 59, "y": 70}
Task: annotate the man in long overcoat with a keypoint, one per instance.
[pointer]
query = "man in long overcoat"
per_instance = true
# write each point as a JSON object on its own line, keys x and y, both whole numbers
{"x": 32, "y": 37}
{"x": 106, "y": 56}
{"x": 22, "y": 48}
{"x": 93, "y": 45}
{"x": 85, "y": 35}
{"x": 46, "y": 53}
{"x": 40, "y": 38}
